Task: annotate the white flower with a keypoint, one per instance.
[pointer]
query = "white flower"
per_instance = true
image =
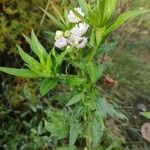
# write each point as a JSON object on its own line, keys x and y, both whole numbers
{"x": 74, "y": 40}
{"x": 80, "y": 29}
{"x": 61, "y": 42}
{"x": 58, "y": 35}
{"x": 77, "y": 41}
{"x": 73, "y": 18}
{"x": 82, "y": 44}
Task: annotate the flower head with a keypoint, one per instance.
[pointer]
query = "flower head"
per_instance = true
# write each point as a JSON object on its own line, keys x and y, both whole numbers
{"x": 61, "y": 42}
{"x": 80, "y": 29}
{"x": 73, "y": 18}
{"x": 82, "y": 43}
{"x": 77, "y": 41}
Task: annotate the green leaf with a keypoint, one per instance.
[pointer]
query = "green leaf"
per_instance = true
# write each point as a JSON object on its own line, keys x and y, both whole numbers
{"x": 34, "y": 65}
{"x": 50, "y": 33}
{"x": 92, "y": 38}
{"x": 73, "y": 133}
{"x": 59, "y": 125}
{"x": 123, "y": 18}
{"x": 81, "y": 17}
{"x": 19, "y": 72}
{"x": 146, "y": 114}
{"x": 109, "y": 8}
{"x": 49, "y": 63}
{"x": 107, "y": 109}
{"x": 47, "y": 85}
{"x": 61, "y": 97}
{"x": 75, "y": 99}
{"x": 79, "y": 65}
{"x": 27, "y": 39}
{"x": 37, "y": 45}
{"x": 89, "y": 13}
{"x": 48, "y": 126}
{"x": 73, "y": 80}
{"x": 59, "y": 58}
{"x": 97, "y": 129}
{"x": 105, "y": 48}
{"x": 83, "y": 4}
{"x": 58, "y": 13}
{"x": 55, "y": 20}
{"x": 95, "y": 71}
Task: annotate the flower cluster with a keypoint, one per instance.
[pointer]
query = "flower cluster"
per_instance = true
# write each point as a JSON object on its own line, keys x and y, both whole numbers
{"x": 74, "y": 37}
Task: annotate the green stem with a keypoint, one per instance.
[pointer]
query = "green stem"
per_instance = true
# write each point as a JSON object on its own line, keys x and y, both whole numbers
{"x": 91, "y": 56}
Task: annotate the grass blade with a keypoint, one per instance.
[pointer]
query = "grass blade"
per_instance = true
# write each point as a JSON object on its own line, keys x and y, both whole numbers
{"x": 55, "y": 20}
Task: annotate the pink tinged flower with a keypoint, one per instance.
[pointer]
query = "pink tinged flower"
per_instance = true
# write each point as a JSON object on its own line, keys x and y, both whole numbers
{"x": 73, "y": 18}
{"x": 80, "y": 29}
{"x": 77, "y": 41}
{"x": 82, "y": 43}
{"x": 61, "y": 42}
{"x": 74, "y": 40}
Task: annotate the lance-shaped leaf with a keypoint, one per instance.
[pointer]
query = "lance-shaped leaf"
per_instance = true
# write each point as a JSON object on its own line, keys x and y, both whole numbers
{"x": 94, "y": 71}
{"x": 108, "y": 10}
{"x": 89, "y": 13}
{"x": 107, "y": 109}
{"x": 97, "y": 129}
{"x": 49, "y": 63}
{"x": 75, "y": 99}
{"x": 58, "y": 14}
{"x": 81, "y": 17}
{"x": 31, "y": 62}
{"x": 47, "y": 85}
{"x": 59, "y": 58}
{"x": 73, "y": 80}
{"x": 19, "y": 72}
{"x": 123, "y": 18}
{"x": 55, "y": 20}
{"x": 31, "y": 45}
{"x": 83, "y": 4}
{"x": 37, "y": 45}
{"x": 106, "y": 48}
{"x": 73, "y": 133}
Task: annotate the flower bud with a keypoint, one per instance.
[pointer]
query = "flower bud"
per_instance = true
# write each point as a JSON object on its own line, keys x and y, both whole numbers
{"x": 67, "y": 33}
{"x": 61, "y": 42}
{"x": 58, "y": 35}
